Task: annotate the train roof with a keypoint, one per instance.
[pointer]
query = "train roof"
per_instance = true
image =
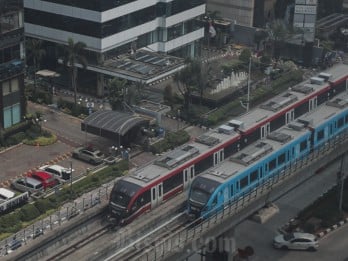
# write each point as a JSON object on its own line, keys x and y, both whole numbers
{"x": 287, "y": 99}
{"x": 181, "y": 156}
{"x": 252, "y": 154}
{"x": 318, "y": 116}
{"x": 217, "y": 138}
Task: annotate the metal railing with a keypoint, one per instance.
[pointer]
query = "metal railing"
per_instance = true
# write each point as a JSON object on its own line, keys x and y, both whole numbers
{"x": 178, "y": 240}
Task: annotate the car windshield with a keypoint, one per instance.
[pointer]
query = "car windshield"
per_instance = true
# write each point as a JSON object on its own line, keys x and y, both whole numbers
{"x": 288, "y": 237}
{"x": 99, "y": 154}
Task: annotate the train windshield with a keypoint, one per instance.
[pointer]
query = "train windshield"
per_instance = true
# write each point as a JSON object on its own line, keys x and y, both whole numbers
{"x": 202, "y": 188}
{"x": 122, "y": 192}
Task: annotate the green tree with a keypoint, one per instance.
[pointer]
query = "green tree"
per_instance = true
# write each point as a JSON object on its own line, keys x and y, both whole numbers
{"x": 186, "y": 81}
{"x": 259, "y": 36}
{"x": 245, "y": 55}
{"x": 117, "y": 93}
{"x": 73, "y": 54}
{"x": 168, "y": 95}
{"x": 35, "y": 53}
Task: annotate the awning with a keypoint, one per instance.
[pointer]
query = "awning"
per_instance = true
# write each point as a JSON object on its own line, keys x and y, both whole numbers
{"x": 47, "y": 73}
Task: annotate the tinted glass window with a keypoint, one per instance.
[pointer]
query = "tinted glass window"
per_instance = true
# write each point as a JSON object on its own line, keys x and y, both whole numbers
{"x": 281, "y": 159}
{"x": 340, "y": 122}
{"x": 320, "y": 135}
{"x": 253, "y": 176}
{"x": 272, "y": 164}
{"x": 205, "y": 184}
{"x": 303, "y": 145}
{"x": 243, "y": 182}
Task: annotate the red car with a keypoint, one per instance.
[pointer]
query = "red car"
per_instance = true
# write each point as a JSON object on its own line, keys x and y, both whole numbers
{"x": 47, "y": 180}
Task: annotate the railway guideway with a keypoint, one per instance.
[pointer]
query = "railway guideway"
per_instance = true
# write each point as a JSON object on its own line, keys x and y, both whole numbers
{"x": 183, "y": 243}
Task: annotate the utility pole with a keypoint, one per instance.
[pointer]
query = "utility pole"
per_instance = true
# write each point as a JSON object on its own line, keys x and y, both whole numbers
{"x": 340, "y": 183}
{"x": 248, "y": 95}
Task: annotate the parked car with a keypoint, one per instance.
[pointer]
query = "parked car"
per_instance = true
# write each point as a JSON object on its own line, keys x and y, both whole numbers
{"x": 28, "y": 184}
{"x": 14, "y": 244}
{"x": 58, "y": 171}
{"x": 37, "y": 232}
{"x": 88, "y": 154}
{"x": 297, "y": 240}
{"x": 47, "y": 179}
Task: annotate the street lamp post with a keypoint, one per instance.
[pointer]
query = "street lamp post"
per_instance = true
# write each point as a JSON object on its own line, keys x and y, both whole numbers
{"x": 71, "y": 171}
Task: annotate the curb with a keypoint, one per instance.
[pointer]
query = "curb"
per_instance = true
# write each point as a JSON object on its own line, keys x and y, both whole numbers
{"x": 332, "y": 228}
{"x": 320, "y": 234}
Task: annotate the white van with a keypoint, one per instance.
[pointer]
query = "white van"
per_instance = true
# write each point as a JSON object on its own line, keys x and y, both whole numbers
{"x": 6, "y": 194}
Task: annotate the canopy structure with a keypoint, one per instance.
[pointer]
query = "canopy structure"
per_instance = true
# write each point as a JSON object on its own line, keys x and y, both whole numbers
{"x": 47, "y": 73}
{"x": 121, "y": 127}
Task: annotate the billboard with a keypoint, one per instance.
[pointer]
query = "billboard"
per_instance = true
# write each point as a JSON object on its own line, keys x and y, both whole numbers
{"x": 305, "y": 14}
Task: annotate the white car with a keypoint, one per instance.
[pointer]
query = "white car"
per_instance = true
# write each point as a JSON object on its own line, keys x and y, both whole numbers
{"x": 297, "y": 240}
{"x": 58, "y": 171}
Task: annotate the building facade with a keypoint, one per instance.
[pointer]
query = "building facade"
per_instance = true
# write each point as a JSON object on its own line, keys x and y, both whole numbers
{"x": 12, "y": 100}
{"x": 243, "y": 12}
{"x": 110, "y": 28}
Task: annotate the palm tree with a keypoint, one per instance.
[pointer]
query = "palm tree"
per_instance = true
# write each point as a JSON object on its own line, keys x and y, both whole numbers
{"x": 117, "y": 93}
{"x": 72, "y": 55}
{"x": 35, "y": 53}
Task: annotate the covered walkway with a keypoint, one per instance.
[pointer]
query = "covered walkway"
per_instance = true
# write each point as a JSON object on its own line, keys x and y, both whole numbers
{"x": 121, "y": 127}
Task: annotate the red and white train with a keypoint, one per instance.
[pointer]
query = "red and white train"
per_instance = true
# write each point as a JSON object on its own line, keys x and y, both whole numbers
{"x": 173, "y": 172}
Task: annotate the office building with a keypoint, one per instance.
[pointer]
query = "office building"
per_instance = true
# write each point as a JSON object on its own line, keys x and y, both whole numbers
{"x": 111, "y": 29}
{"x": 12, "y": 100}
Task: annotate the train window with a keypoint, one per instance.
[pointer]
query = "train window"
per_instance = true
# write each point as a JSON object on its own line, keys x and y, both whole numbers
{"x": 303, "y": 145}
{"x": 172, "y": 182}
{"x": 272, "y": 164}
{"x": 231, "y": 190}
{"x": 346, "y": 118}
{"x": 320, "y": 135}
{"x": 253, "y": 176}
{"x": 281, "y": 159}
{"x": 340, "y": 122}
{"x": 153, "y": 193}
{"x": 204, "y": 164}
{"x": 243, "y": 182}
{"x": 160, "y": 190}
{"x": 146, "y": 197}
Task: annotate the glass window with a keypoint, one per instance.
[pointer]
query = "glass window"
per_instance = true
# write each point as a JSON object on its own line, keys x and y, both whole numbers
{"x": 7, "y": 117}
{"x": 281, "y": 159}
{"x": 14, "y": 85}
{"x": 320, "y": 135}
{"x": 253, "y": 176}
{"x": 5, "y": 88}
{"x": 272, "y": 164}
{"x": 243, "y": 182}
{"x": 303, "y": 145}
{"x": 16, "y": 113}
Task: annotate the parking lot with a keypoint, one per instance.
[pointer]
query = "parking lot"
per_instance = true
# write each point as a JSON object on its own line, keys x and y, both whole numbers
{"x": 22, "y": 159}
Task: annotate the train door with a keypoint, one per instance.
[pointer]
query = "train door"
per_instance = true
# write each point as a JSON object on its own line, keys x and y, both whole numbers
{"x": 313, "y": 103}
{"x": 219, "y": 156}
{"x": 156, "y": 195}
{"x": 188, "y": 175}
{"x": 289, "y": 116}
{"x": 226, "y": 194}
{"x": 265, "y": 130}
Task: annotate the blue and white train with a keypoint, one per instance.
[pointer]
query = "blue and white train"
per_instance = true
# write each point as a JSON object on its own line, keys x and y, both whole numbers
{"x": 259, "y": 161}
{"x": 149, "y": 186}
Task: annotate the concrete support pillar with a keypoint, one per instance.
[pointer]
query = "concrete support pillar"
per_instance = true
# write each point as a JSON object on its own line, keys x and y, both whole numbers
{"x": 100, "y": 85}
{"x": 222, "y": 248}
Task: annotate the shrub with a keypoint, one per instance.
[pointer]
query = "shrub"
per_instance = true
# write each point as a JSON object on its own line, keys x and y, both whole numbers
{"x": 10, "y": 223}
{"x": 29, "y": 212}
{"x": 172, "y": 140}
{"x": 42, "y": 141}
{"x": 44, "y": 205}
